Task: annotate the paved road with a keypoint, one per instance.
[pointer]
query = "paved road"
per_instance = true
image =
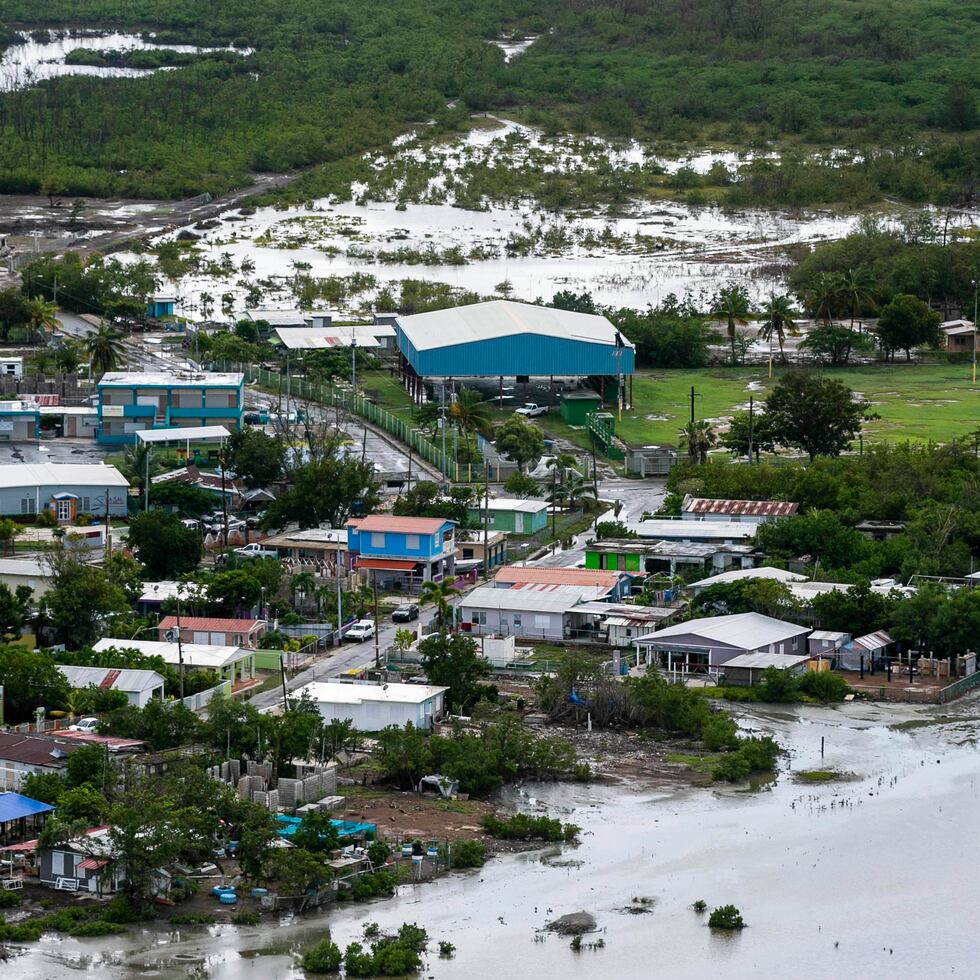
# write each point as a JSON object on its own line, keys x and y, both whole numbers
{"x": 338, "y": 661}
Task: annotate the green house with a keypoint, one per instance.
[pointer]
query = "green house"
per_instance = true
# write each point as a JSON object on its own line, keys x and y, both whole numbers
{"x": 619, "y": 556}
{"x": 513, "y": 515}
{"x": 575, "y": 406}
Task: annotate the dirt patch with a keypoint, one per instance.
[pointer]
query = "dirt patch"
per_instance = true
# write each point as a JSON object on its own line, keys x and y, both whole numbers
{"x": 408, "y": 815}
{"x": 573, "y": 924}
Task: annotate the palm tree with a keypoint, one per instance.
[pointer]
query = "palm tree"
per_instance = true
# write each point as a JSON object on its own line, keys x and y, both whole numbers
{"x": 105, "y": 349}
{"x": 207, "y": 305}
{"x": 41, "y": 315}
{"x": 471, "y": 413}
{"x": 855, "y": 290}
{"x": 440, "y": 594}
{"x": 559, "y": 466}
{"x": 579, "y": 492}
{"x": 134, "y": 464}
{"x": 822, "y": 294}
{"x": 302, "y": 582}
{"x": 68, "y": 357}
{"x": 699, "y": 437}
{"x": 778, "y": 322}
{"x": 732, "y": 303}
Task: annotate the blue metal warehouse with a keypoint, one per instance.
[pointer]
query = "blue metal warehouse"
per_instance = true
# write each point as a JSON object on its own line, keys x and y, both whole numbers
{"x": 513, "y": 340}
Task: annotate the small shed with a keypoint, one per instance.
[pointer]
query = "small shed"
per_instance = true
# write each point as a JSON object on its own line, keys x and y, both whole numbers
{"x": 869, "y": 650}
{"x": 748, "y": 669}
{"x": 160, "y": 305}
{"x": 826, "y": 643}
{"x": 372, "y": 707}
{"x": 575, "y": 407}
{"x": 87, "y": 863}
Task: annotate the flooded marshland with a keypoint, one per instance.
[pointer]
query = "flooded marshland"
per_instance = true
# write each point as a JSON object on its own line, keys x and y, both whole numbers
{"x": 860, "y": 878}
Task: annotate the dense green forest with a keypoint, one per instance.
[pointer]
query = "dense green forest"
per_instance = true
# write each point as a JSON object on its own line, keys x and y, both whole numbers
{"x": 328, "y": 80}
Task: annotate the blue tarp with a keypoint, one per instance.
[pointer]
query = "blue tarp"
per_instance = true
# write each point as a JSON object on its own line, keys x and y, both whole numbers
{"x": 344, "y": 828}
{"x": 13, "y": 806}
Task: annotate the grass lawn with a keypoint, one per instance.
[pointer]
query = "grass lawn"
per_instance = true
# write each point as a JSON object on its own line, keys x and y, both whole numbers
{"x": 919, "y": 402}
{"x": 703, "y": 764}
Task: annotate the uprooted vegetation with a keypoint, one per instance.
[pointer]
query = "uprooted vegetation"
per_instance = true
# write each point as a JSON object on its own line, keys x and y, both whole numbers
{"x": 580, "y": 689}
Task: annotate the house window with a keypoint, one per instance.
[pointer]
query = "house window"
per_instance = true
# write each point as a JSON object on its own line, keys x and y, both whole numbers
{"x": 517, "y": 621}
{"x": 377, "y": 540}
{"x": 28, "y": 505}
{"x": 413, "y": 542}
{"x": 542, "y": 622}
{"x": 467, "y": 553}
{"x": 479, "y": 618}
{"x": 87, "y": 505}
{"x": 64, "y": 510}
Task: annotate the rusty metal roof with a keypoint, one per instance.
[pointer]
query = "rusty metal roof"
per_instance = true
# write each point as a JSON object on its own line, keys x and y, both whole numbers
{"x": 746, "y": 508}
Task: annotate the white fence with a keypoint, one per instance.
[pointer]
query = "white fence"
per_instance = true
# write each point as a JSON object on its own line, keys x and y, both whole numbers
{"x": 200, "y": 700}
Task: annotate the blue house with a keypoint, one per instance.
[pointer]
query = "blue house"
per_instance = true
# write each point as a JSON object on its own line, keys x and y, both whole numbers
{"x": 160, "y": 306}
{"x": 130, "y": 402}
{"x": 403, "y": 552}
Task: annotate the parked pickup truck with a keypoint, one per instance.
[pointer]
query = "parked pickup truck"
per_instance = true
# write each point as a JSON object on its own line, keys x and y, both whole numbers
{"x": 255, "y": 550}
{"x": 531, "y": 410}
{"x": 362, "y": 630}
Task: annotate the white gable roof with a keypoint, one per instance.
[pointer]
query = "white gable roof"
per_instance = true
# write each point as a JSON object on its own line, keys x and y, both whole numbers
{"x": 747, "y": 630}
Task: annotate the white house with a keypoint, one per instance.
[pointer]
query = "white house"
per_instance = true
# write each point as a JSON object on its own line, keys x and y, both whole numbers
{"x": 11, "y": 367}
{"x": 535, "y": 612}
{"x": 139, "y": 686}
{"x": 372, "y": 707}
{"x": 714, "y": 640}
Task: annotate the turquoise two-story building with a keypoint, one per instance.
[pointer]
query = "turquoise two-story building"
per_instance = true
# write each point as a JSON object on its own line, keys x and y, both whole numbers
{"x": 131, "y": 402}
{"x": 401, "y": 553}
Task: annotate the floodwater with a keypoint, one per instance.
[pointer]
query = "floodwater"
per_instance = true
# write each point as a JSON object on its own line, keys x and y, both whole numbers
{"x": 28, "y": 62}
{"x": 863, "y": 879}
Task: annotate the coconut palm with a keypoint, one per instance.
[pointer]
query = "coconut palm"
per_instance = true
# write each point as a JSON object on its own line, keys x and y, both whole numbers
{"x": 470, "y": 413}
{"x": 137, "y": 462}
{"x": 821, "y": 296}
{"x": 302, "y": 582}
{"x": 732, "y": 304}
{"x": 68, "y": 357}
{"x": 856, "y": 291}
{"x": 778, "y": 313}
{"x": 699, "y": 437}
{"x": 104, "y": 348}
{"x": 41, "y": 315}
{"x": 440, "y": 594}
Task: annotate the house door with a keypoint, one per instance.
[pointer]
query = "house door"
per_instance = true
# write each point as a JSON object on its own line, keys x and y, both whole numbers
{"x": 518, "y": 523}
{"x": 64, "y": 510}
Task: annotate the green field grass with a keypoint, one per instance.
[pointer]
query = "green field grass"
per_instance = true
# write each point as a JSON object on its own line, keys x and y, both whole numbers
{"x": 917, "y": 402}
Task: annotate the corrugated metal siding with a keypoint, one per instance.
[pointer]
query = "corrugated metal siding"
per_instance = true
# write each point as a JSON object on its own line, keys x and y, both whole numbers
{"x": 519, "y": 354}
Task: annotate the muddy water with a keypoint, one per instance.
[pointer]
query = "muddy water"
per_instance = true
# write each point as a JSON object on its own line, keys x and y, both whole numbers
{"x": 27, "y": 62}
{"x": 864, "y": 879}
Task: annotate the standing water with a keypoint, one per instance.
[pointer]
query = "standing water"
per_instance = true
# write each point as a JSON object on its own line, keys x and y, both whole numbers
{"x": 864, "y": 878}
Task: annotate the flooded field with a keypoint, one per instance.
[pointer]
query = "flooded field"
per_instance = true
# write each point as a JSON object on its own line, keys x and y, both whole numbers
{"x": 34, "y": 59}
{"x": 864, "y": 878}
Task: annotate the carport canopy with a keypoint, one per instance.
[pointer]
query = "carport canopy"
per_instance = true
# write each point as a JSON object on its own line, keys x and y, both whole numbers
{"x": 200, "y": 433}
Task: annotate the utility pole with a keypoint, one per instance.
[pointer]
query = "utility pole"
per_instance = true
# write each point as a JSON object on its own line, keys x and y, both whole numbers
{"x": 554, "y": 501}
{"x": 340, "y": 596}
{"x": 180, "y": 650}
{"x": 595, "y": 472}
{"x": 146, "y": 479}
{"x": 976, "y": 285}
{"x": 377, "y": 638}
{"x": 353, "y": 363}
{"x": 442, "y": 426}
{"x": 751, "y": 413}
{"x": 108, "y": 527}
{"x": 692, "y": 404}
{"x": 224, "y": 496}
{"x": 486, "y": 520}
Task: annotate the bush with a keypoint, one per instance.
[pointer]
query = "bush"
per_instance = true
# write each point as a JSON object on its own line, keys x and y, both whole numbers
{"x": 726, "y": 917}
{"x": 379, "y": 884}
{"x": 193, "y": 919}
{"x": 97, "y": 928}
{"x": 9, "y": 900}
{"x": 121, "y": 911}
{"x": 378, "y": 852}
{"x": 719, "y": 732}
{"x": 700, "y": 905}
{"x": 324, "y": 957}
{"x": 824, "y": 685}
{"x": 249, "y": 918}
{"x": 752, "y": 755}
{"x": 522, "y": 826}
{"x": 446, "y": 949}
{"x": 469, "y": 854}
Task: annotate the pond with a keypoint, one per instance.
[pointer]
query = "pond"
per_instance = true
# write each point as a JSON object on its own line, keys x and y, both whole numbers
{"x": 29, "y": 61}
{"x": 865, "y": 878}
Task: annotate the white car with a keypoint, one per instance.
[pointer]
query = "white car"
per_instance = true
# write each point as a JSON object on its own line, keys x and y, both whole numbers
{"x": 255, "y": 550}
{"x": 89, "y": 725}
{"x": 531, "y": 410}
{"x": 362, "y": 630}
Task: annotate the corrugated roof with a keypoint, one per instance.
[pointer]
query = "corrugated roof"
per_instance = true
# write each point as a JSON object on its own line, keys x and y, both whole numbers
{"x": 13, "y": 806}
{"x": 513, "y": 503}
{"x": 503, "y": 318}
{"x": 831, "y": 635}
{"x": 749, "y": 630}
{"x": 692, "y": 530}
{"x": 96, "y": 475}
{"x": 557, "y": 599}
{"x": 211, "y": 624}
{"x": 111, "y": 677}
{"x": 398, "y": 525}
{"x": 328, "y": 692}
{"x": 323, "y": 338}
{"x": 761, "y": 661}
{"x": 34, "y": 750}
{"x": 208, "y": 655}
{"x": 872, "y": 641}
{"x": 740, "y": 574}
{"x": 30, "y": 567}
{"x": 543, "y": 575}
{"x": 197, "y": 433}
{"x": 746, "y": 508}
{"x": 311, "y": 536}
